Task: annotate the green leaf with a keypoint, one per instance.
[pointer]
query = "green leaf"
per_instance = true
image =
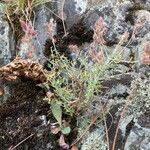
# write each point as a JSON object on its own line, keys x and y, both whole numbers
{"x": 66, "y": 130}
{"x": 57, "y": 112}
{"x": 2, "y": 7}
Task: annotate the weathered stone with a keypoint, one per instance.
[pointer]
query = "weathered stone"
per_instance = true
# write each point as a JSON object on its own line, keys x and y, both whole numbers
{"x": 142, "y": 36}
{"x": 124, "y": 123}
{"x": 72, "y": 10}
{"x": 6, "y": 53}
{"x": 36, "y": 46}
{"x": 138, "y": 139}
{"x": 94, "y": 141}
{"x": 6, "y": 44}
{"x": 42, "y": 19}
{"x": 114, "y": 17}
{"x": 119, "y": 90}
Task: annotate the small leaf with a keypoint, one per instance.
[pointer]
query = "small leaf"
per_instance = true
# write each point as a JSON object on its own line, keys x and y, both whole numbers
{"x": 57, "y": 112}
{"x": 66, "y": 130}
{"x": 49, "y": 65}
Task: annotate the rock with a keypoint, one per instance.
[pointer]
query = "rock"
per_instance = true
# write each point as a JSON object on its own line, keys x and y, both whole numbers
{"x": 114, "y": 17}
{"x": 135, "y": 125}
{"x": 96, "y": 3}
{"x": 6, "y": 53}
{"x": 94, "y": 141}
{"x": 120, "y": 89}
{"x": 126, "y": 52}
{"x": 42, "y": 18}
{"x": 34, "y": 46}
{"x": 72, "y": 10}
{"x": 124, "y": 123}
{"x": 138, "y": 139}
{"x": 6, "y": 42}
{"x": 119, "y": 17}
{"x": 142, "y": 37}
{"x": 145, "y": 4}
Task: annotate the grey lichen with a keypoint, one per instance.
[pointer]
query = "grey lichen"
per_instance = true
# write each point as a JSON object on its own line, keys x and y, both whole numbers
{"x": 141, "y": 97}
{"x": 94, "y": 141}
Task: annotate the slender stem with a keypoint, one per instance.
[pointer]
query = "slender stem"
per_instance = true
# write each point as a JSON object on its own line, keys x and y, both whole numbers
{"x": 116, "y": 134}
{"x": 21, "y": 142}
{"x": 53, "y": 12}
{"x": 62, "y": 15}
{"x": 106, "y": 128}
{"x": 85, "y": 131}
{"x": 128, "y": 102}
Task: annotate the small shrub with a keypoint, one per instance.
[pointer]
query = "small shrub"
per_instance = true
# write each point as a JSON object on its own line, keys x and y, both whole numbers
{"x": 22, "y": 6}
{"x": 74, "y": 86}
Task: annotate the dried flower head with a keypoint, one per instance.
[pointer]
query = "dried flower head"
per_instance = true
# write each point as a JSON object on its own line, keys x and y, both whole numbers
{"x": 74, "y": 49}
{"x": 100, "y": 30}
{"x": 51, "y": 28}
{"x": 138, "y": 26}
{"x": 145, "y": 59}
{"x": 28, "y": 28}
{"x": 125, "y": 36}
{"x": 97, "y": 57}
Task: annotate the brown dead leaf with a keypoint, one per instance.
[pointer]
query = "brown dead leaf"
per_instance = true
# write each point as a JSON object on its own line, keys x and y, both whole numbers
{"x": 146, "y": 54}
{"x": 1, "y": 91}
{"x": 62, "y": 142}
{"x": 74, "y": 147}
{"x": 49, "y": 94}
{"x": 55, "y": 130}
{"x": 11, "y": 78}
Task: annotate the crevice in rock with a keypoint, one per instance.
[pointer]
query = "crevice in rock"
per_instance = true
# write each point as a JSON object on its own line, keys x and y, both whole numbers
{"x": 77, "y": 35}
{"x": 130, "y": 13}
{"x": 128, "y": 130}
{"x": 112, "y": 126}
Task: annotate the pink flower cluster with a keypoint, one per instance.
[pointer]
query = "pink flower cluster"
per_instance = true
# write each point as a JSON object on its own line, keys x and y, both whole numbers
{"x": 146, "y": 54}
{"x": 28, "y": 28}
{"x": 100, "y": 30}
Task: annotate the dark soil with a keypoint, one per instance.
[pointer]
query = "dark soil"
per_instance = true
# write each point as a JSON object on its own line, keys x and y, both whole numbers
{"x": 20, "y": 117}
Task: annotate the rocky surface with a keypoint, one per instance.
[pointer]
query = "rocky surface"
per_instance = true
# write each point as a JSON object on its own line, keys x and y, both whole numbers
{"x": 6, "y": 53}
{"x": 22, "y": 111}
{"x": 138, "y": 138}
{"x": 95, "y": 140}
{"x": 35, "y": 45}
{"x": 5, "y": 46}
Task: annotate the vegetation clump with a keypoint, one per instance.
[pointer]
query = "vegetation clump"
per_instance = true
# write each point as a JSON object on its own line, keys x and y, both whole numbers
{"x": 20, "y": 6}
